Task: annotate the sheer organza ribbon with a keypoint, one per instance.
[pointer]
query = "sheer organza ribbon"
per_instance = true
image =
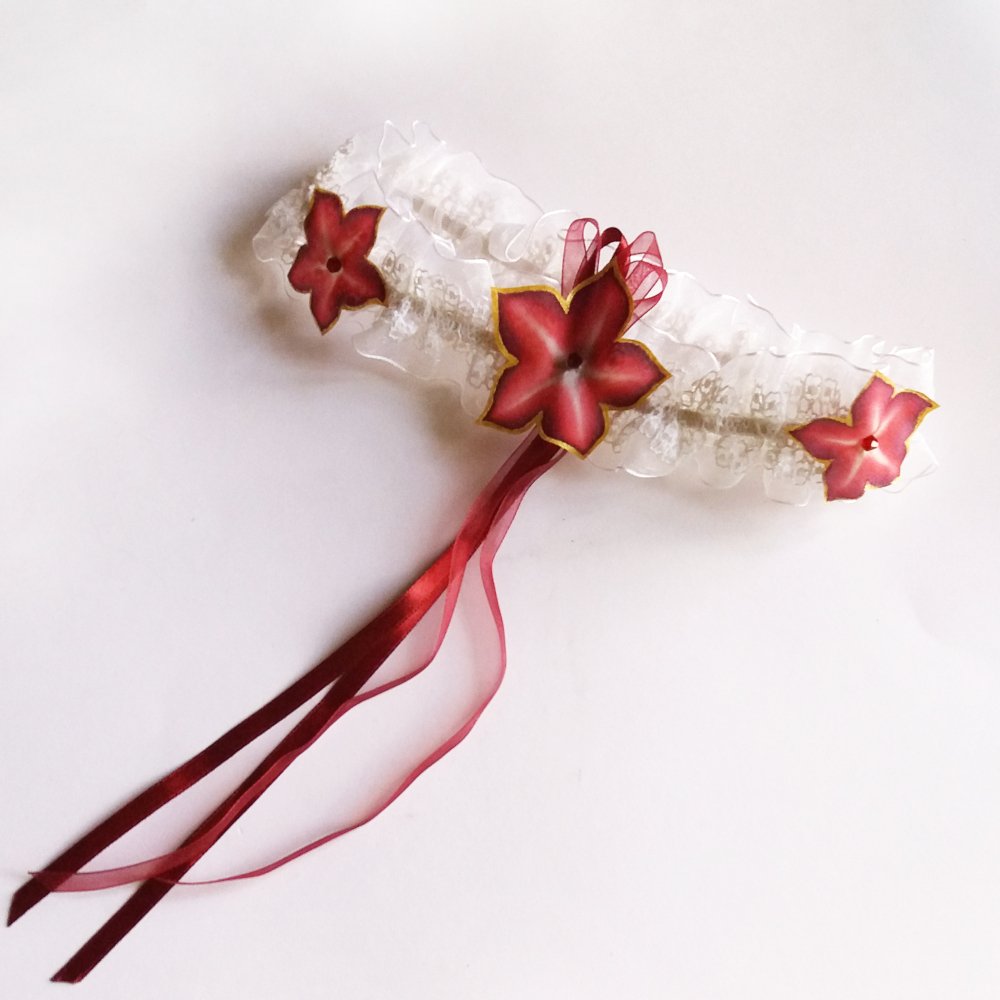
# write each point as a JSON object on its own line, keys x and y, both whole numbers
{"x": 639, "y": 261}
{"x": 344, "y": 673}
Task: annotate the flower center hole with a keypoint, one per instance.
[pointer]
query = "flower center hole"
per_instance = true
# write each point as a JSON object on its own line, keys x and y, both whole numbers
{"x": 333, "y": 265}
{"x": 870, "y": 443}
{"x": 573, "y": 361}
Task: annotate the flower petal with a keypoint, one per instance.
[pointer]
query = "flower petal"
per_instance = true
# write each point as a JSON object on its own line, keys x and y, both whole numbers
{"x": 533, "y": 326}
{"x": 827, "y": 438}
{"x": 519, "y": 397}
{"x": 599, "y": 311}
{"x": 359, "y": 283}
{"x": 882, "y": 464}
{"x": 847, "y": 475}
{"x": 869, "y": 408}
{"x": 357, "y": 232}
{"x": 901, "y": 417}
{"x": 325, "y": 302}
{"x": 308, "y": 270}
{"x": 624, "y": 374}
{"x": 322, "y": 225}
{"x": 573, "y": 417}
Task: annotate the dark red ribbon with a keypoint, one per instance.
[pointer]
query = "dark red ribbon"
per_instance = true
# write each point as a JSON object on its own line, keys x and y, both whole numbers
{"x": 345, "y": 672}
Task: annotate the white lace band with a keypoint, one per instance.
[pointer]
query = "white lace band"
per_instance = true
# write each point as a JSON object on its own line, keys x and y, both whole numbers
{"x": 451, "y": 233}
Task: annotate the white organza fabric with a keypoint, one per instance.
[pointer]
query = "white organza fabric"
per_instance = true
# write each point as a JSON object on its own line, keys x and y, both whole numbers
{"x": 451, "y": 232}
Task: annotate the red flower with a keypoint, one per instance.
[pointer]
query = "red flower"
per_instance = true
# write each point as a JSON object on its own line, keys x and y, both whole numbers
{"x": 567, "y": 363}
{"x": 868, "y": 448}
{"x": 333, "y": 264}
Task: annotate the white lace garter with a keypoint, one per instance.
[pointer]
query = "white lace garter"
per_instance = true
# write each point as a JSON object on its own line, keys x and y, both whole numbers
{"x": 449, "y": 234}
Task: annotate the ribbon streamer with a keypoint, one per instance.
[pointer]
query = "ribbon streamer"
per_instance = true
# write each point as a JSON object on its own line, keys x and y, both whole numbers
{"x": 345, "y": 672}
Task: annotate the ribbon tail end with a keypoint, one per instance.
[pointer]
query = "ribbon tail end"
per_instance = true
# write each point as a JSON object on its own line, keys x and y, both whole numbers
{"x": 67, "y": 975}
{"x": 29, "y": 895}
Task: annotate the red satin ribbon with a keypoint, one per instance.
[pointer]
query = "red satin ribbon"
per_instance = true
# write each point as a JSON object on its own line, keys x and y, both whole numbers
{"x": 345, "y": 672}
{"x": 639, "y": 261}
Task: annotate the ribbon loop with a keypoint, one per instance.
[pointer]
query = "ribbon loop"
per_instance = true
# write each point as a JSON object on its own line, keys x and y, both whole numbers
{"x": 640, "y": 262}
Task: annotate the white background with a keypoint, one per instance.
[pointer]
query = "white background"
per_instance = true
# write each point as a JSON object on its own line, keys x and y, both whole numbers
{"x": 743, "y": 751}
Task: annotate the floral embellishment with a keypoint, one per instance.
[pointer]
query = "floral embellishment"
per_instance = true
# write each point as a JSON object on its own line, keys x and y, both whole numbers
{"x": 567, "y": 361}
{"x": 333, "y": 265}
{"x": 868, "y": 448}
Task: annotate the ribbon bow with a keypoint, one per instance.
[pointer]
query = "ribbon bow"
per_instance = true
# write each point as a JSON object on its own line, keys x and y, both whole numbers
{"x": 639, "y": 262}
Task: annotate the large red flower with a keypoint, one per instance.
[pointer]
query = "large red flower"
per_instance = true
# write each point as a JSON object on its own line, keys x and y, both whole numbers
{"x": 567, "y": 363}
{"x": 332, "y": 265}
{"x": 868, "y": 448}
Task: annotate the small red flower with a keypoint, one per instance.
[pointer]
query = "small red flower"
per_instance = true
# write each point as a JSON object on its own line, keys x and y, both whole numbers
{"x": 868, "y": 448}
{"x": 332, "y": 265}
{"x": 567, "y": 363}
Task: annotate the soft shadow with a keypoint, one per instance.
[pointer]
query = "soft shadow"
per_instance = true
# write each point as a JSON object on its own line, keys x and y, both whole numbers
{"x": 275, "y": 312}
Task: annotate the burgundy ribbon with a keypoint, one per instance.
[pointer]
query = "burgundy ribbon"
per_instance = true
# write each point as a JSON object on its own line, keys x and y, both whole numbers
{"x": 639, "y": 261}
{"x": 344, "y": 672}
